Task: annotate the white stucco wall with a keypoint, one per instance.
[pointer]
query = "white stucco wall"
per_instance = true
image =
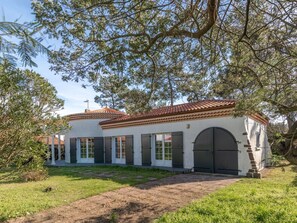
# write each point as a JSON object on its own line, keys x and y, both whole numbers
{"x": 262, "y": 151}
{"x": 234, "y": 125}
{"x": 81, "y": 128}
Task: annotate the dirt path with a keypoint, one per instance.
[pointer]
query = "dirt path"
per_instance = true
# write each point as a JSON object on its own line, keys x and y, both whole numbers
{"x": 141, "y": 203}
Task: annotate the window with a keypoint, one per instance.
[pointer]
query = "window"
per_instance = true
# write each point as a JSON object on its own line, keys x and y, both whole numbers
{"x": 87, "y": 148}
{"x": 123, "y": 138}
{"x": 159, "y": 147}
{"x": 83, "y": 148}
{"x": 167, "y": 147}
{"x": 91, "y": 147}
{"x": 258, "y": 139}
{"x": 163, "y": 147}
{"x": 120, "y": 145}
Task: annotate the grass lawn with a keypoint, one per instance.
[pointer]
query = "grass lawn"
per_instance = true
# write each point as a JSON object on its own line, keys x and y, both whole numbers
{"x": 271, "y": 199}
{"x": 68, "y": 184}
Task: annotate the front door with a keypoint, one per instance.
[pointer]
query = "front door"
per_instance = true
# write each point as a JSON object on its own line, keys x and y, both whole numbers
{"x": 216, "y": 151}
{"x": 163, "y": 150}
{"x": 86, "y": 150}
{"x": 120, "y": 150}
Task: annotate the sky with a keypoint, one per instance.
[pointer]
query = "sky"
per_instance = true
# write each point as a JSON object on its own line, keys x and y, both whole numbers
{"x": 71, "y": 92}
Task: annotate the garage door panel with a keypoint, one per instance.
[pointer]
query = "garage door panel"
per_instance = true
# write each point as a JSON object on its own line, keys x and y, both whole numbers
{"x": 226, "y": 161}
{"x": 226, "y": 154}
{"x": 204, "y": 161}
{"x": 203, "y": 152}
{"x": 223, "y": 140}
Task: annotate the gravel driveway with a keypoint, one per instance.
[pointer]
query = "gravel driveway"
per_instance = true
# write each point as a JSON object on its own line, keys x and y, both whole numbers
{"x": 141, "y": 203}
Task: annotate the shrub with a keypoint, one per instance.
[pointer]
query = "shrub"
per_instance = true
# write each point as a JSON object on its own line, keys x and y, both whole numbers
{"x": 34, "y": 175}
{"x": 277, "y": 160}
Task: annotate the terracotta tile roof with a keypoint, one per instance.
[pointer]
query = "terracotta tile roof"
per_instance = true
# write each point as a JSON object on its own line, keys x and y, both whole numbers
{"x": 194, "y": 107}
{"x": 106, "y": 110}
{"x": 104, "y": 113}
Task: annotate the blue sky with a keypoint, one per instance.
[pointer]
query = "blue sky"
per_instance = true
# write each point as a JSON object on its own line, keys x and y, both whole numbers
{"x": 72, "y": 93}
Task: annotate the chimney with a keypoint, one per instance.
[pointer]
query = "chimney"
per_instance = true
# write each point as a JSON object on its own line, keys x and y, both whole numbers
{"x": 88, "y": 106}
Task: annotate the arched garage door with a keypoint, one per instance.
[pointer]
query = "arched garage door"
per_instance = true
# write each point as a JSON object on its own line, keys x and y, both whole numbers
{"x": 216, "y": 151}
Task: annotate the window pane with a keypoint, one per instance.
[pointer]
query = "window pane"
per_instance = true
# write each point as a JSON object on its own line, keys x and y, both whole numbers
{"x": 83, "y": 148}
{"x": 167, "y": 147}
{"x": 91, "y": 147}
{"x": 158, "y": 146}
{"x": 123, "y": 147}
{"x": 117, "y": 146}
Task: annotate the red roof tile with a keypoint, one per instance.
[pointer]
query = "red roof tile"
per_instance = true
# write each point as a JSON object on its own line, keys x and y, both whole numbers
{"x": 205, "y": 105}
{"x": 106, "y": 110}
{"x": 104, "y": 113}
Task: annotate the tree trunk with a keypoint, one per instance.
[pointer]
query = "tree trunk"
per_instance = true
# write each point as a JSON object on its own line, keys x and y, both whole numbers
{"x": 291, "y": 119}
{"x": 171, "y": 90}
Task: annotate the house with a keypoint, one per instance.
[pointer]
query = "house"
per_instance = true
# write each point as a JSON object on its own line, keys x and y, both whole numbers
{"x": 200, "y": 136}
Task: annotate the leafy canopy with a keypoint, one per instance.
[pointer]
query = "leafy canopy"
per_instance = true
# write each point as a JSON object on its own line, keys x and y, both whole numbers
{"x": 17, "y": 43}
{"x": 168, "y": 48}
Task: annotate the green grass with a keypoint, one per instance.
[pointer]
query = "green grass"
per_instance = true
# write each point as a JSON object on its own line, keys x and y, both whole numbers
{"x": 271, "y": 199}
{"x": 68, "y": 184}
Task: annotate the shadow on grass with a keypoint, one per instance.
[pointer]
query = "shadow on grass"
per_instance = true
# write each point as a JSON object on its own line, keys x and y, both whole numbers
{"x": 9, "y": 176}
{"x": 120, "y": 174}
{"x": 142, "y": 178}
{"x": 126, "y": 211}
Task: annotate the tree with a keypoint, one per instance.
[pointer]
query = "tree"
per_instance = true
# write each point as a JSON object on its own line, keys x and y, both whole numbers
{"x": 17, "y": 43}
{"x": 259, "y": 69}
{"x": 112, "y": 91}
{"x": 27, "y": 103}
{"x": 240, "y": 49}
{"x": 125, "y": 37}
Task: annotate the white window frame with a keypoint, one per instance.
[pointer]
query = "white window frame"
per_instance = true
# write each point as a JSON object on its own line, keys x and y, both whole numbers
{"x": 87, "y": 159}
{"x": 163, "y": 162}
{"x": 121, "y": 159}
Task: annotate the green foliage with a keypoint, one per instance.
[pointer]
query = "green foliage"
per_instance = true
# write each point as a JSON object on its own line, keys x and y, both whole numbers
{"x": 112, "y": 91}
{"x": 277, "y": 160}
{"x": 17, "y": 43}
{"x": 65, "y": 185}
{"x": 114, "y": 218}
{"x": 271, "y": 199}
{"x": 27, "y": 103}
{"x": 163, "y": 48}
{"x": 125, "y": 40}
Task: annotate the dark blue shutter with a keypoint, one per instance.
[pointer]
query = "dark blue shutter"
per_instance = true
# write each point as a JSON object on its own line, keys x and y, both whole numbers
{"x": 146, "y": 148}
{"x": 129, "y": 150}
{"x": 107, "y": 148}
{"x": 73, "y": 150}
{"x": 177, "y": 150}
{"x": 98, "y": 150}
